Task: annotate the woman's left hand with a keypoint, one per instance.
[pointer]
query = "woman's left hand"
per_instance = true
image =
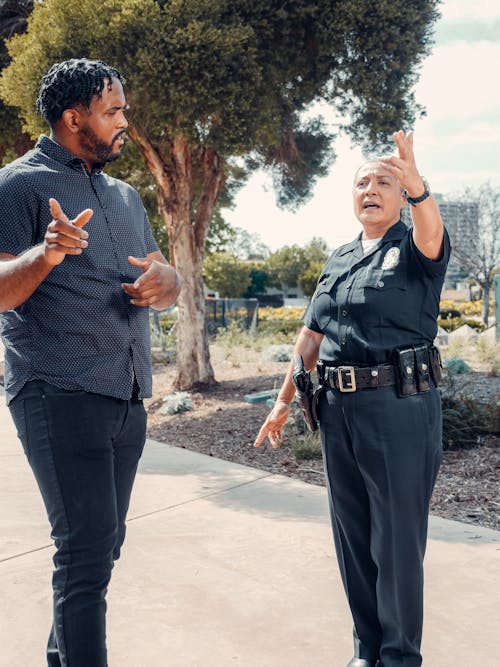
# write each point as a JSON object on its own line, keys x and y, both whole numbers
{"x": 403, "y": 165}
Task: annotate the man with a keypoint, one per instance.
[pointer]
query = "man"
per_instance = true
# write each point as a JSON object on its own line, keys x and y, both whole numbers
{"x": 79, "y": 268}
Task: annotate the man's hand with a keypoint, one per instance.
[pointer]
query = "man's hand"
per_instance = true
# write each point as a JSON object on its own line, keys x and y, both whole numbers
{"x": 273, "y": 425}
{"x": 64, "y": 236}
{"x": 158, "y": 286}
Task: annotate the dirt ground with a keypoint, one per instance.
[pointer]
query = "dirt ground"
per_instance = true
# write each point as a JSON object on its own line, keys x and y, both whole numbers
{"x": 224, "y": 425}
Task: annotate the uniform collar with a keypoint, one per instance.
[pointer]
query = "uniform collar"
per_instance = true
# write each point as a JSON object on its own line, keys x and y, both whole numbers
{"x": 57, "y": 152}
{"x": 394, "y": 233}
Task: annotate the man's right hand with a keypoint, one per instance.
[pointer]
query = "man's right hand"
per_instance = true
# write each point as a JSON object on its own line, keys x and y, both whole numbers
{"x": 64, "y": 236}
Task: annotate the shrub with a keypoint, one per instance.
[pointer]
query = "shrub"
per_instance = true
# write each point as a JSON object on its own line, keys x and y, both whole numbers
{"x": 178, "y": 401}
{"x": 287, "y": 328}
{"x": 465, "y": 420}
{"x": 303, "y": 443}
{"x": 278, "y": 352}
{"x": 452, "y": 323}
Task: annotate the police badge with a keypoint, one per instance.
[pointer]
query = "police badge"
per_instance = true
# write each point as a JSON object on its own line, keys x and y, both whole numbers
{"x": 391, "y": 258}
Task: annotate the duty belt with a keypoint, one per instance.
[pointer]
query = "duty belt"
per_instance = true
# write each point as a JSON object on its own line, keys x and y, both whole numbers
{"x": 348, "y": 379}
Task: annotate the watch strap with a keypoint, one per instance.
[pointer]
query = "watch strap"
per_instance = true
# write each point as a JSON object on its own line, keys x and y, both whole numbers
{"x": 413, "y": 201}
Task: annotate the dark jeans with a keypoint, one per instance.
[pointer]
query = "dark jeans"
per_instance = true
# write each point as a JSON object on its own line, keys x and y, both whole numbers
{"x": 83, "y": 449}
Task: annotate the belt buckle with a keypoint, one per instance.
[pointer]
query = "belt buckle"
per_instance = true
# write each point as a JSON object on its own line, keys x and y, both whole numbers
{"x": 346, "y": 384}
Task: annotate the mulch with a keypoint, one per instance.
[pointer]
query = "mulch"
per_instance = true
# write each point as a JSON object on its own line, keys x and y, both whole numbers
{"x": 222, "y": 424}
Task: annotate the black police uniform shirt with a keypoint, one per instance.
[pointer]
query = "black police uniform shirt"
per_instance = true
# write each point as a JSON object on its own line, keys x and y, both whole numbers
{"x": 78, "y": 330}
{"x": 368, "y": 305}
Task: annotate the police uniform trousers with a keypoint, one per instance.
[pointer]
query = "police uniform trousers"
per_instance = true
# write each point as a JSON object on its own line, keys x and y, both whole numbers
{"x": 382, "y": 455}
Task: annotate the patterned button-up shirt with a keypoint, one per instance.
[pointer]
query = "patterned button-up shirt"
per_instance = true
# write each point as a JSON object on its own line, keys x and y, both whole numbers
{"x": 78, "y": 329}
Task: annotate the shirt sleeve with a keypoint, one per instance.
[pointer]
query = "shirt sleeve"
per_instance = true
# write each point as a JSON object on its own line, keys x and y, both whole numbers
{"x": 18, "y": 213}
{"x": 309, "y": 318}
{"x": 434, "y": 267}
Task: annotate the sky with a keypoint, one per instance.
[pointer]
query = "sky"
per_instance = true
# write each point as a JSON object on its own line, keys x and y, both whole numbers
{"x": 457, "y": 144}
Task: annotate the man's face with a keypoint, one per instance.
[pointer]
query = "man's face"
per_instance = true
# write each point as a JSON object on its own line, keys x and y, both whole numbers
{"x": 377, "y": 195}
{"x": 102, "y": 133}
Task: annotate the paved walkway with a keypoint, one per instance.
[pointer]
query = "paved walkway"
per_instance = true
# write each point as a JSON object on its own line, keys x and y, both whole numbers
{"x": 226, "y": 565}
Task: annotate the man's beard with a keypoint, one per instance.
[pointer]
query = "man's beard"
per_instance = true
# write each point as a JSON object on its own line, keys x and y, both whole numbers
{"x": 102, "y": 151}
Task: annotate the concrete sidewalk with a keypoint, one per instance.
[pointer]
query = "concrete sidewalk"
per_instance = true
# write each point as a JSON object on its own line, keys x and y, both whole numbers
{"x": 227, "y": 565}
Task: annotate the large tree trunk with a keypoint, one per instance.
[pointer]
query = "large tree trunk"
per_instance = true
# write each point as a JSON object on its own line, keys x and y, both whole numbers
{"x": 187, "y": 236}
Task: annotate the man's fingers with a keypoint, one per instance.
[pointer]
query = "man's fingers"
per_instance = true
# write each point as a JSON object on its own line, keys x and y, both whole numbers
{"x": 56, "y": 210}
{"x": 143, "y": 262}
{"x": 83, "y": 217}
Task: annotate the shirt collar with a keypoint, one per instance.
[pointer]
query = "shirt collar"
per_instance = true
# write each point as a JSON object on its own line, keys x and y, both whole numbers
{"x": 394, "y": 233}
{"x": 57, "y": 152}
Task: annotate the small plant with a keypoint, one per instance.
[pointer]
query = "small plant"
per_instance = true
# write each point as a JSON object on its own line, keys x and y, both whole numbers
{"x": 278, "y": 352}
{"x": 302, "y": 443}
{"x": 465, "y": 420}
{"x": 178, "y": 401}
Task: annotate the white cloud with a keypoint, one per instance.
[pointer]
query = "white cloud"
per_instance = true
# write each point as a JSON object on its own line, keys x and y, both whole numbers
{"x": 460, "y": 80}
{"x": 465, "y": 9}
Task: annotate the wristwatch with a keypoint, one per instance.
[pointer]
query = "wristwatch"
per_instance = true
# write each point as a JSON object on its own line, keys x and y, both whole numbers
{"x": 413, "y": 201}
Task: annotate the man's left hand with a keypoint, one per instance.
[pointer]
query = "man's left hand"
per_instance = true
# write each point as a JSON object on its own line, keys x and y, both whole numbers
{"x": 158, "y": 286}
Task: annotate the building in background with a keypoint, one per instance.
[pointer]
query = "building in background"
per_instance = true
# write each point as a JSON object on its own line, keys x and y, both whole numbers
{"x": 461, "y": 219}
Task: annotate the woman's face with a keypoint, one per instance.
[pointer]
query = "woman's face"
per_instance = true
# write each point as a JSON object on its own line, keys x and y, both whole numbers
{"x": 377, "y": 196}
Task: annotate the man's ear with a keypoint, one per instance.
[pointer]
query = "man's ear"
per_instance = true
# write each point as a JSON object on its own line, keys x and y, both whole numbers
{"x": 403, "y": 197}
{"x": 72, "y": 120}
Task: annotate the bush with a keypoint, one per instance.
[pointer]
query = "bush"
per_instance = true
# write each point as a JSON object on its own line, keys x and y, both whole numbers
{"x": 173, "y": 404}
{"x": 302, "y": 442}
{"x": 450, "y": 324}
{"x": 465, "y": 420}
{"x": 287, "y": 328}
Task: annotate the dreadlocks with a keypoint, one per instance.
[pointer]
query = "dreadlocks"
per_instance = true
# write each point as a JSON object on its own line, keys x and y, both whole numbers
{"x": 73, "y": 82}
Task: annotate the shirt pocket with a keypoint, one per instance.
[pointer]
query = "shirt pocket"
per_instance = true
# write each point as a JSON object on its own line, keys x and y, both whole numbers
{"x": 323, "y": 302}
{"x": 384, "y": 298}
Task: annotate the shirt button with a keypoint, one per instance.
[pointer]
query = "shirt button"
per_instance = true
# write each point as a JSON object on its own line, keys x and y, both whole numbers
{"x": 343, "y": 341}
{"x": 344, "y": 313}
{"x": 380, "y": 283}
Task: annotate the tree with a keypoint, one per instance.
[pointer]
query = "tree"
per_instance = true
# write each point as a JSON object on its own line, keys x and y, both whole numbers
{"x": 259, "y": 280}
{"x": 226, "y": 274}
{"x": 478, "y": 248}
{"x": 211, "y": 81}
{"x": 13, "y": 20}
{"x": 285, "y": 265}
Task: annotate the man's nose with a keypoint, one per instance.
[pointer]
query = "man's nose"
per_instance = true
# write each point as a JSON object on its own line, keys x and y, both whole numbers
{"x": 122, "y": 122}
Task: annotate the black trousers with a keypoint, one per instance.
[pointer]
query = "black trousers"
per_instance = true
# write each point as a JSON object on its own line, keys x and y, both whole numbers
{"x": 83, "y": 449}
{"x": 382, "y": 455}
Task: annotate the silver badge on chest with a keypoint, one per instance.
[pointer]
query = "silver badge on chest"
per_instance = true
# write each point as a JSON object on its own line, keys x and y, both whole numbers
{"x": 391, "y": 259}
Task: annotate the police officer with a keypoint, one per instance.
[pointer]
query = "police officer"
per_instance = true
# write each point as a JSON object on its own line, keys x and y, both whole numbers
{"x": 370, "y": 328}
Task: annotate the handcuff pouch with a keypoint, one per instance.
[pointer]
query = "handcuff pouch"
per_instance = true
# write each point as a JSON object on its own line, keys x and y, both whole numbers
{"x": 422, "y": 367}
{"x": 435, "y": 364}
{"x": 404, "y": 361}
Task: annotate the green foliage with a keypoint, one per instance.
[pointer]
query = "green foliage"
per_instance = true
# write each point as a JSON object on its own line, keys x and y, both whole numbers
{"x": 308, "y": 279}
{"x": 226, "y": 274}
{"x": 285, "y": 265}
{"x": 303, "y": 443}
{"x": 452, "y": 323}
{"x": 236, "y": 74}
{"x": 175, "y": 403}
{"x": 13, "y": 20}
{"x": 287, "y": 328}
{"x": 259, "y": 280}
{"x": 465, "y": 420}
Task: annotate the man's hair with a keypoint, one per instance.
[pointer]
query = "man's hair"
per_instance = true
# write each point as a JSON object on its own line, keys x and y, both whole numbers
{"x": 71, "y": 83}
